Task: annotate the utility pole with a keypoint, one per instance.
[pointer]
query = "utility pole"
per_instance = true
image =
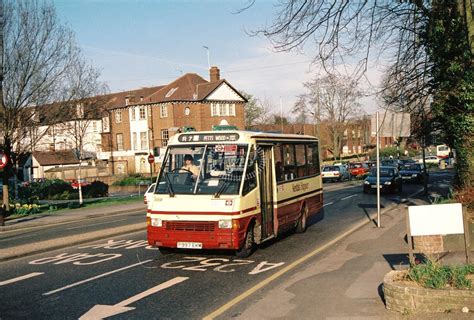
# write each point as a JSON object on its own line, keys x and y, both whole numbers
{"x": 2, "y": 115}
{"x": 208, "y": 57}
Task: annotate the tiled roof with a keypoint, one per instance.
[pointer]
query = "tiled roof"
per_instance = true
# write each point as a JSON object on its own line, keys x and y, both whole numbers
{"x": 117, "y": 100}
{"x": 182, "y": 89}
{"x": 204, "y": 89}
{"x": 56, "y": 157}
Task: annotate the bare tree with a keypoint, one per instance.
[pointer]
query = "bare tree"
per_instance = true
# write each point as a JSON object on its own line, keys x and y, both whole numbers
{"x": 429, "y": 45}
{"x": 331, "y": 101}
{"x": 42, "y": 65}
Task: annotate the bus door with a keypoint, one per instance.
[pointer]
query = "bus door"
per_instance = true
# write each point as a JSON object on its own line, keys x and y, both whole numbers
{"x": 266, "y": 189}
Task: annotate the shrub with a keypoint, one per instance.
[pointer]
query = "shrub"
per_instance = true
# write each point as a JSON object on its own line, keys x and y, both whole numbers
{"x": 436, "y": 276}
{"x": 73, "y": 205}
{"x": 132, "y": 180}
{"x": 47, "y": 189}
{"x": 96, "y": 189}
{"x": 26, "y": 209}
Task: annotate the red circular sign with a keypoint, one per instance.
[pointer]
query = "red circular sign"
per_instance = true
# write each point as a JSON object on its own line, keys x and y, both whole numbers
{"x": 151, "y": 158}
{"x": 3, "y": 160}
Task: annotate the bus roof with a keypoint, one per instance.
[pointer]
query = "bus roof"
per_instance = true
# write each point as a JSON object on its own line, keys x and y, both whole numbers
{"x": 233, "y": 136}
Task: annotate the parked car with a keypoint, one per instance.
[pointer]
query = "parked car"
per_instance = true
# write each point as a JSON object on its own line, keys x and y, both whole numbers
{"x": 358, "y": 169}
{"x": 334, "y": 173}
{"x": 147, "y": 197}
{"x": 407, "y": 161}
{"x": 390, "y": 180}
{"x": 413, "y": 173}
{"x": 429, "y": 159}
{"x": 391, "y": 162}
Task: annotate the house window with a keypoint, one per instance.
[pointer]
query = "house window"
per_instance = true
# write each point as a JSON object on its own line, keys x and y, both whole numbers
{"x": 164, "y": 137}
{"x": 132, "y": 114}
{"x": 119, "y": 137}
{"x": 214, "y": 110}
{"x": 142, "y": 113}
{"x": 187, "y": 111}
{"x": 94, "y": 126}
{"x": 223, "y": 109}
{"x": 127, "y": 101}
{"x": 232, "y": 109}
{"x": 80, "y": 110}
{"x": 118, "y": 116}
{"x": 134, "y": 141}
{"x": 143, "y": 141}
{"x": 105, "y": 124}
{"x": 163, "y": 111}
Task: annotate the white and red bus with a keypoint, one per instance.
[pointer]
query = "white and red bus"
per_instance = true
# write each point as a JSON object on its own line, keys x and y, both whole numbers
{"x": 248, "y": 187}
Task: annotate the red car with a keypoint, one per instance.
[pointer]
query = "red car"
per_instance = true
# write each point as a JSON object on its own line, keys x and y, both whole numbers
{"x": 358, "y": 169}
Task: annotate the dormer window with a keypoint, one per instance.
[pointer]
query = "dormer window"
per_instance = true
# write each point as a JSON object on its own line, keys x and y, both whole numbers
{"x": 127, "y": 101}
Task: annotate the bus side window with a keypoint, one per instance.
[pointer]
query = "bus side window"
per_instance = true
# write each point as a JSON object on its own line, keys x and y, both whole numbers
{"x": 313, "y": 159}
{"x": 278, "y": 157}
{"x": 300, "y": 160}
{"x": 250, "y": 181}
{"x": 290, "y": 162}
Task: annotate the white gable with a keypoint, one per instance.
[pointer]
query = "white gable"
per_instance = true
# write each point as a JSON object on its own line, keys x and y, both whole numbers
{"x": 224, "y": 92}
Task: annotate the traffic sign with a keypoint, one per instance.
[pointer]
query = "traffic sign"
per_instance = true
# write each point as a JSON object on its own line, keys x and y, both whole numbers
{"x": 3, "y": 160}
{"x": 151, "y": 159}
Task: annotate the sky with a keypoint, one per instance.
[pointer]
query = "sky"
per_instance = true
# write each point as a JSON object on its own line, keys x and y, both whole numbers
{"x": 144, "y": 43}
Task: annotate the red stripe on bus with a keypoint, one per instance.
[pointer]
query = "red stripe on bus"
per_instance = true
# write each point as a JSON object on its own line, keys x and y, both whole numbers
{"x": 249, "y": 209}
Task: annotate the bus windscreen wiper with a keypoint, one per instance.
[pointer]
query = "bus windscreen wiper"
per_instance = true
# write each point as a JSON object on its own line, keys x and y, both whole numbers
{"x": 222, "y": 188}
{"x": 168, "y": 184}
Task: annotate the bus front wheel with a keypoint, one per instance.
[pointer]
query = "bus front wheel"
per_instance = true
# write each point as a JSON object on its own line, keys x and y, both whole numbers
{"x": 302, "y": 221}
{"x": 248, "y": 246}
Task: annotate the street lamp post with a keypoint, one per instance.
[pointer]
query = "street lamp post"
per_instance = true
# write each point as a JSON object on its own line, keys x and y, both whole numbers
{"x": 208, "y": 57}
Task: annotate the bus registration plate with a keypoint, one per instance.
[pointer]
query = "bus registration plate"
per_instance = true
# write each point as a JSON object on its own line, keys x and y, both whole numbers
{"x": 189, "y": 245}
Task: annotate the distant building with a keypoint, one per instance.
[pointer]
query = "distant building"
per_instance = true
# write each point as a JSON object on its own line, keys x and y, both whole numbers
{"x": 141, "y": 121}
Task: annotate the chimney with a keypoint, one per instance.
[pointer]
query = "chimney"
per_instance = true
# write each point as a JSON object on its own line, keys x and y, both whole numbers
{"x": 214, "y": 74}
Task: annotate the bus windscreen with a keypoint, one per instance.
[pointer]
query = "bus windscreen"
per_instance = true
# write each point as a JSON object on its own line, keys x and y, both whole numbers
{"x": 209, "y": 169}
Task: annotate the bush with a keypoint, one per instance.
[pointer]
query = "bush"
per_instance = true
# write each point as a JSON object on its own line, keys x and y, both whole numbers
{"x": 47, "y": 189}
{"x": 73, "y": 205}
{"x": 132, "y": 180}
{"x": 96, "y": 189}
{"x": 436, "y": 276}
{"x": 25, "y": 209}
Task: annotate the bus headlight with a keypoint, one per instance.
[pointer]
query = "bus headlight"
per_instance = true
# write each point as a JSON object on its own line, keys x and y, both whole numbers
{"x": 225, "y": 224}
{"x": 366, "y": 182}
{"x": 156, "y": 222}
{"x": 388, "y": 182}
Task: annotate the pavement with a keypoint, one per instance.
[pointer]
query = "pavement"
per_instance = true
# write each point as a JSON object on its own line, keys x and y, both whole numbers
{"x": 342, "y": 280}
{"x": 47, "y": 219}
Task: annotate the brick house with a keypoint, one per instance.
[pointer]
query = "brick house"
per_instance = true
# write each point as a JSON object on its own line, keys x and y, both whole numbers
{"x": 140, "y": 121}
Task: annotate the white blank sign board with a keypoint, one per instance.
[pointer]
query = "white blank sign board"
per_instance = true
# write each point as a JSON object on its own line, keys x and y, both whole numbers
{"x": 436, "y": 219}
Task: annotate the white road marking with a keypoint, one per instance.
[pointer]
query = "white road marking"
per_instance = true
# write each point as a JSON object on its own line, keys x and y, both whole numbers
{"x": 100, "y": 311}
{"x": 328, "y": 204}
{"x": 94, "y": 278}
{"x": 95, "y": 224}
{"x": 291, "y": 266}
{"x": 26, "y": 276}
{"x": 354, "y": 195}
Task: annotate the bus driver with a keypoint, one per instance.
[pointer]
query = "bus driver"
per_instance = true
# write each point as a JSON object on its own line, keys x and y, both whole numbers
{"x": 189, "y": 165}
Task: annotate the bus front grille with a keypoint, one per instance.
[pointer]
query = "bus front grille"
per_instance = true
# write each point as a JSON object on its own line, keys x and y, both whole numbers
{"x": 190, "y": 225}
